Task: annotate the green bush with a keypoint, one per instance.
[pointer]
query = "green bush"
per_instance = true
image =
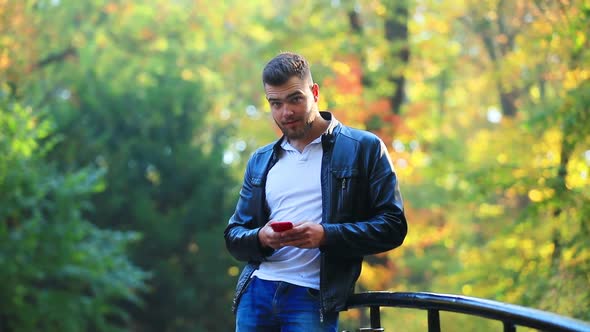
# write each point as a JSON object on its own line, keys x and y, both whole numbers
{"x": 58, "y": 272}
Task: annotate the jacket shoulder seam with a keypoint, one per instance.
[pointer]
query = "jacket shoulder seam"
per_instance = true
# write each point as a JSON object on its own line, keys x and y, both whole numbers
{"x": 357, "y": 135}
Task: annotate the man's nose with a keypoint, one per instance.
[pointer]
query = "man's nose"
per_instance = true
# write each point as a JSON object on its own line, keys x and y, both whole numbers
{"x": 287, "y": 110}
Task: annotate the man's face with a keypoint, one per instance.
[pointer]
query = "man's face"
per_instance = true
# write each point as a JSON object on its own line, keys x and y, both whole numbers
{"x": 293, "y": 106}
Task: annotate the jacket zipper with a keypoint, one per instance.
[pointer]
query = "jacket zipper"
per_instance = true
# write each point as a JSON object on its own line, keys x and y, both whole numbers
{"x": 325, "y": 210}
{"x": 322, "y": 307}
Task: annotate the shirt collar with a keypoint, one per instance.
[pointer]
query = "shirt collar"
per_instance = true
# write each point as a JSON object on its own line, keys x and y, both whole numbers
{"x": 286, "y": 146}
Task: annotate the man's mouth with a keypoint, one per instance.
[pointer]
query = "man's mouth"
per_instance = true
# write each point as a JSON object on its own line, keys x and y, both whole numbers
{"x": 290, "y": 123}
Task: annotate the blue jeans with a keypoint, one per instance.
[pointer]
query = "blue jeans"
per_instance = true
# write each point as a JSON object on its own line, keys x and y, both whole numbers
{"x": 276, "y": 306}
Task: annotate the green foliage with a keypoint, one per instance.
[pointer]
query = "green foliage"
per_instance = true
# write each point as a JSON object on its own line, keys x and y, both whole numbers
{"x": 141, "y": 119}
{"x": 58, "y": 272}
{"x": 514, "y": 191}
{"x": 163, "y": 100}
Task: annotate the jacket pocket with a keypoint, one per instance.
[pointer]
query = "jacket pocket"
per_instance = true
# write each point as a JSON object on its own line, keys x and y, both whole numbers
{"x": 344, "y": 188}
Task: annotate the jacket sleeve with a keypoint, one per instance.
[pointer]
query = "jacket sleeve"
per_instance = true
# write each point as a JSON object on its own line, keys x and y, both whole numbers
{"x": 386, "y": 226}
{"x": 241, "y": 233}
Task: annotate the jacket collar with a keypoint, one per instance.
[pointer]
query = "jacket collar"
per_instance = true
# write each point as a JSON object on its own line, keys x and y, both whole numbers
{"x": 333, "y": 122}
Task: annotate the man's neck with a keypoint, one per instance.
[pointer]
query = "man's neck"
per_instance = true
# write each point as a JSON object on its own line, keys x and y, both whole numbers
{"x": 318, "y": 127}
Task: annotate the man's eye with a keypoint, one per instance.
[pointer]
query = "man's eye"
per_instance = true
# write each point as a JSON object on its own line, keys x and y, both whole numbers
{"x": 275, "y": 104}
{"x": 296, "y": 100}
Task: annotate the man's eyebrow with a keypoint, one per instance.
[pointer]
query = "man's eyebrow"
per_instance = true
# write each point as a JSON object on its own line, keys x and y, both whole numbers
{"x": 293, "y": 94}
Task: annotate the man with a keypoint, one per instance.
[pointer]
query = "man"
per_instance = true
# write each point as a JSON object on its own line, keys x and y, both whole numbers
{"x": 335, "y": 184}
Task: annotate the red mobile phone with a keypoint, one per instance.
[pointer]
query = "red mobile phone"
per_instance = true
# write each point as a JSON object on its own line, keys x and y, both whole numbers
{"x": 281, "y": 226}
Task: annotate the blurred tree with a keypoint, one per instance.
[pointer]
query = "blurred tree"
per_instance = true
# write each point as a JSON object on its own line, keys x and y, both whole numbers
{"x": 491, "y": 147}
{"x": 394, "y": 18}
{"x": 58, "y": 272}
{"x": 122, "y": 82}
{"x": 497, "y": 25}
{"x": 504, "y": 193}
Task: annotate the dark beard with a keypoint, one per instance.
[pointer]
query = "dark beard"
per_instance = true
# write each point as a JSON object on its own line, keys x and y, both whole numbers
{"x": 290, "y": 134}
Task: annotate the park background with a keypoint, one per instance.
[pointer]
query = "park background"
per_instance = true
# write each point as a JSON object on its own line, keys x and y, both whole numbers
{"x": 125, "y": 127}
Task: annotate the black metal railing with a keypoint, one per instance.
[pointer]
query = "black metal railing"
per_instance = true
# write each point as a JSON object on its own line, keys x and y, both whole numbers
{"x": 510, "y": 315}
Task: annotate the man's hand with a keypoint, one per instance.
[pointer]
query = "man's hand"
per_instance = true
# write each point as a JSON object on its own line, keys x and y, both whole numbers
{"x": 303, "y": 235}
{"x": 269, "y": 238}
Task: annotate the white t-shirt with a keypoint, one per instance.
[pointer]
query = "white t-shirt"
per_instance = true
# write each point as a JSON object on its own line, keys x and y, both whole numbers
{"x": 294, "y": 193}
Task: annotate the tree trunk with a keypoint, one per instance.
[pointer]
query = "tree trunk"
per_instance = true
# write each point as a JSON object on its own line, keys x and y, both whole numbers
{"x": 396, "y": 32}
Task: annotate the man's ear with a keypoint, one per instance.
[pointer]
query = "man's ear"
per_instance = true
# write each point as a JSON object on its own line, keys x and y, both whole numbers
{"x": 315, "y": 89}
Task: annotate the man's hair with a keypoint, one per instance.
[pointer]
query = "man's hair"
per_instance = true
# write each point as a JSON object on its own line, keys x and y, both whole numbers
{"x": 284, "y": 66}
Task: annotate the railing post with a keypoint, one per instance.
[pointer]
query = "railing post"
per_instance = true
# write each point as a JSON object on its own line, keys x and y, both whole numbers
{"x": 375, "y": 317}
{"x": 433, "y": 321}
{"x": 509, "y": 327}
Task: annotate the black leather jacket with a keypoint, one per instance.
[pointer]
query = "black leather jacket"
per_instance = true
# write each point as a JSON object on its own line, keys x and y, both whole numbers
{"x": 362, "y": 210}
